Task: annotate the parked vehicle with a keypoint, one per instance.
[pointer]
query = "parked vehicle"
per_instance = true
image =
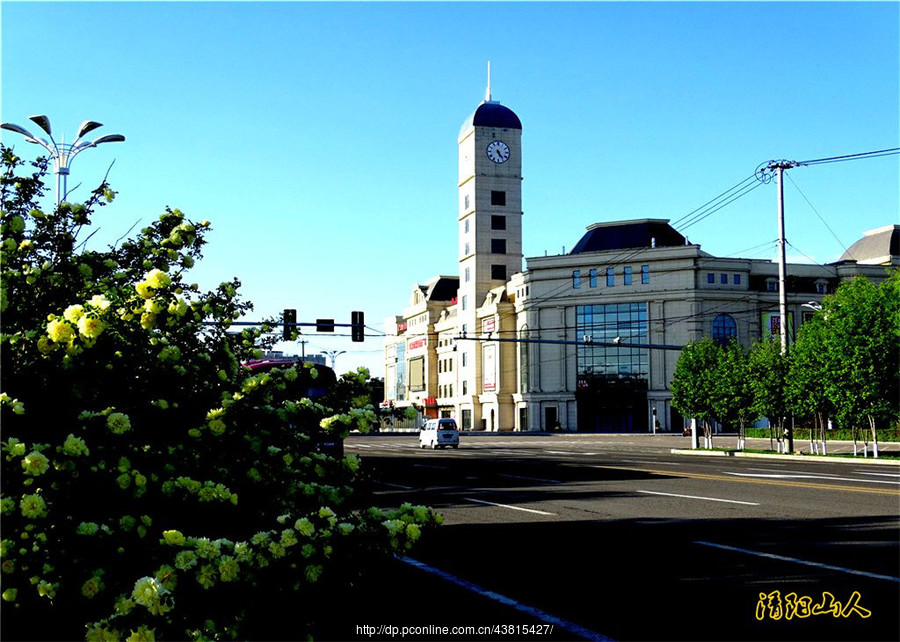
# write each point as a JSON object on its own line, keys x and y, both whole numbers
{"x": 439, "y": 433}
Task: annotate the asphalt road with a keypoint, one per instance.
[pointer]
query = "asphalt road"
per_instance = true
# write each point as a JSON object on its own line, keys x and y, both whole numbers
{"x": 617, "y": 537}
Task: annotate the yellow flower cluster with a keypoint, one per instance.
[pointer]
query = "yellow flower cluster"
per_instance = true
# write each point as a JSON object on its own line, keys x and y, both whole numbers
{"x": 84, "y": 321}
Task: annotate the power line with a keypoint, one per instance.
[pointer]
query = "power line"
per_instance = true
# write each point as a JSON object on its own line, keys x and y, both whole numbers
{"x": 848, "y": 157}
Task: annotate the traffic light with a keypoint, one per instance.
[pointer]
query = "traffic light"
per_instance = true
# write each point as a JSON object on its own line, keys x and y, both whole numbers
{"x": 324, "y": 325}
{"x": 290, "y": 324}
{"x": 358, "y": 319}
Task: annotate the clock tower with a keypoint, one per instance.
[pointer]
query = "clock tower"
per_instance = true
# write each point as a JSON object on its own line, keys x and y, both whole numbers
{"x": 490, "y": 239}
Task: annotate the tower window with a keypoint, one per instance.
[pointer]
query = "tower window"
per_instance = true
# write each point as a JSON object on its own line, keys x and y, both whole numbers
{"x": 498, "y": 272}
{"x": 466, "y": 226}
{"x": 467, "y": 273}
{"x": 498, "y": 222}
{"x": 498, "y": 198}
{"x": 576, "y": 279}
{"x": 466, "y": 201}
{"x": 627, "y": 276}
{"x": 498, "y": 246}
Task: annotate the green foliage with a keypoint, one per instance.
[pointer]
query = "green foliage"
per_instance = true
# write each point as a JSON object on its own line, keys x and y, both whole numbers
{"x": 150, "y": 483}
{"x": 733, "y": 400}
{"x": 768, "y": 369}
{"x": 845, "y": 364}
{"x": 694, "y": 380}
{"x": 711, "y": 383}
{"x": 859, "y": 338}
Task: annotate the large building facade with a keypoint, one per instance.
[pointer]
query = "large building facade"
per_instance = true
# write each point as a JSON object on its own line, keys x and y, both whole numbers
{"x": 585, "y": 341}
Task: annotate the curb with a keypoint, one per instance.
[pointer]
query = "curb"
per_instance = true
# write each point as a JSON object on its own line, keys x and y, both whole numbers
{"x": 820, "y": 459}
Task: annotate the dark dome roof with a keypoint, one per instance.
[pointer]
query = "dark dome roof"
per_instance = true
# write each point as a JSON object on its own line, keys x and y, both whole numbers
{"x": 624, "y": 235}
{"x": 492, "y": 114}
{"x": 876, "y": 247}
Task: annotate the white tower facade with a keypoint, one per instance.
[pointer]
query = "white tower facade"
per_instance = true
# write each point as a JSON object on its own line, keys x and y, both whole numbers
{"x": 490, "y": 244}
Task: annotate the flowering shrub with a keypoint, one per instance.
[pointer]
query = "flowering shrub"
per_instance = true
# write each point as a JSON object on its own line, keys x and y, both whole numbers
{"x": 151, "y": 486}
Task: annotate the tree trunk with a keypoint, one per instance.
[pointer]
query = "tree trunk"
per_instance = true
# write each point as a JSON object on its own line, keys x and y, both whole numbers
{"x": 874, "y": 436}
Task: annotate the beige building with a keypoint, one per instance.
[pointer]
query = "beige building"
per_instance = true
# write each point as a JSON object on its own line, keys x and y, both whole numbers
{"x": 584, "y": 341}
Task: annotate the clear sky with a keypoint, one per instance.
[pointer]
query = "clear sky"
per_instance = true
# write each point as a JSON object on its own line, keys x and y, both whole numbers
{"x": 321, "y": 138}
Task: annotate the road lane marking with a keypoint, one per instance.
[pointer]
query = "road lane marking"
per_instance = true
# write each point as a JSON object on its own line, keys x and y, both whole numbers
{"x": 537, "y": 479}
{"x": 566, "y": 625}
{"x": 865, "y": 472}
{"x": 526, "y": 510}
{"x": 783, "y": 558}
{"x": 811, "y": 476}
{"x": 709, "y": 499}
{"x": 400, "y": 486}
{"x": 767, "y": 482}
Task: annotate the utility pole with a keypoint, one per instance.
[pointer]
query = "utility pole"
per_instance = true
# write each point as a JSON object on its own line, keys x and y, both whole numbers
{"x": 779, "y": 167}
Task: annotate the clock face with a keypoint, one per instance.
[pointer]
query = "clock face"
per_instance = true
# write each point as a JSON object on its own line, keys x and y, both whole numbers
{"x": 498, "y": 151}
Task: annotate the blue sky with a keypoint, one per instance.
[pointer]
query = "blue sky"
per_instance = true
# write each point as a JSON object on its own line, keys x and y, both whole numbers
{"x": 320, "y": 138}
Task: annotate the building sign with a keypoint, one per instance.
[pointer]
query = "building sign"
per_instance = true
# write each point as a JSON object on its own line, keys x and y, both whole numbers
{"x": 417, "y": 374}
{"x": 771, "y": 325}
{"x": 390, "y": 384}
{"x": 401, "y": 327}
{"x": 488, "y": 325}
{"x": 418, "y": 344}
{"x": 489, "y": 367}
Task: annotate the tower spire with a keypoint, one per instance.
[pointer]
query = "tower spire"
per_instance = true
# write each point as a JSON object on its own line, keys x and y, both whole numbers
{"x": 487, "y": 93}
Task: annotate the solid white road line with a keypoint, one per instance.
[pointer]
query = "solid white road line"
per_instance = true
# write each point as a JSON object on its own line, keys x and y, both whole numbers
{"x": 708, "y": 499}
{"x": 783, "y": 558}
{"x": 570, "y": 627}
{"x": 526, "y": 510}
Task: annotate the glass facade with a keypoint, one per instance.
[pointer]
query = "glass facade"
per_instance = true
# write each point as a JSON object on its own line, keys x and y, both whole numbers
{"x": 626, "y": 322}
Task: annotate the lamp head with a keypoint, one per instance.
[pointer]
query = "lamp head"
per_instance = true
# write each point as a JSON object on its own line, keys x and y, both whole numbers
{"x": 109, "y": 138}
{"x": 43, "y": 122}
{"x": 18, "y": 130}
{"x": 87, "y": 126}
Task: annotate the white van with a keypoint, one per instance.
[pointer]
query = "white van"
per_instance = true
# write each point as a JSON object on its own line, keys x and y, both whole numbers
{"x": 439, "y": 433}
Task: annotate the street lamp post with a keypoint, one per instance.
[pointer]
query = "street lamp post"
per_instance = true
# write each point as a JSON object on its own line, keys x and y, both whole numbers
{"x": 63, "y": 153}
{"x": 334, "y": 354}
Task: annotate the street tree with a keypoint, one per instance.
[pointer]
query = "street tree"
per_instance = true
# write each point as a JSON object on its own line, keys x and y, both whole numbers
{"x": 767, "y": 375}
{"x": 808, "y": 372}
{"x": 732, "y": 398}
{"x": 861, "y": 347}
{"x": 694, "y": 385}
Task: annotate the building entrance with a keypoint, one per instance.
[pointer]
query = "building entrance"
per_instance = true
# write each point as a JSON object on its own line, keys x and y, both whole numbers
{"x": 614, "y": 406}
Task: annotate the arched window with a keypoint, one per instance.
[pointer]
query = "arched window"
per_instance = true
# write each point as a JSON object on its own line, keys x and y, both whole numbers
{"x": 724, "y": 328}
